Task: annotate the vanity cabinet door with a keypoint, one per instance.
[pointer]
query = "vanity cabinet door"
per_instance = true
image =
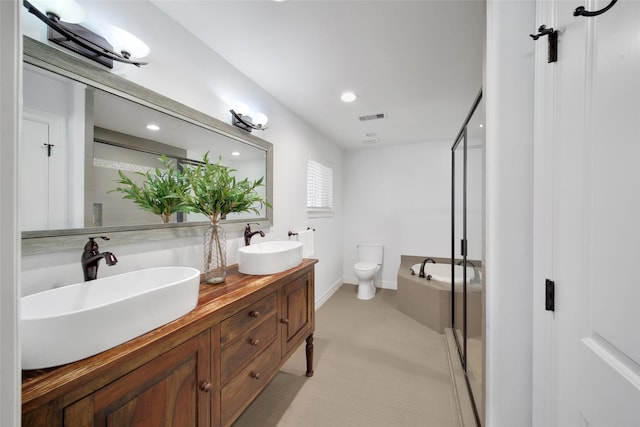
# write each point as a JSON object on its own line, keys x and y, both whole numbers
{"x": 297, "y": 312}
{"x": 172, "y": 390}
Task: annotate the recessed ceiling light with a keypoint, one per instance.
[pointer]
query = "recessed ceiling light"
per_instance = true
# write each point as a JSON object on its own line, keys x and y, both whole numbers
{"x": 481, "y": 125}
{"x": 348, "y": 97}
{"x": 153, "y": 127}
{"x": 235, "y": 153}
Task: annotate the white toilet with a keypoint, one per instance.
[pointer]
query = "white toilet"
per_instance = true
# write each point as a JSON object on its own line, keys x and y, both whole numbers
{"x": 368, "y": 265}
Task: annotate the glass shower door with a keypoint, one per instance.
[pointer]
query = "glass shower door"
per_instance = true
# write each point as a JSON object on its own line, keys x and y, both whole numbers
{"x": 467, "y": 251}
{"x": 457, "y": 242}
{"x": 474, "y": 295}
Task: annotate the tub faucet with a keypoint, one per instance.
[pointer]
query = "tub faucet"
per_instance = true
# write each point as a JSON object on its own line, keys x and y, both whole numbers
{"x": 476, "y": 272}
{"x": 422, "y": 266}
{"x": 248, "y": 234}
{"x": 91, "y": 256}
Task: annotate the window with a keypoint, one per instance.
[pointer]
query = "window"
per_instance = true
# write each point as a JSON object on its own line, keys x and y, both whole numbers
{"x": 319, "y": 189}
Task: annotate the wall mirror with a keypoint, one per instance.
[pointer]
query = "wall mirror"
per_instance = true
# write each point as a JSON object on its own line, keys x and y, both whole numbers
{"x": 82, "y": 124}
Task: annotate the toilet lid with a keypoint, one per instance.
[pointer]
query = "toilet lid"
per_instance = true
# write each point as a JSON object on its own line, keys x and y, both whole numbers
{"x": 365, "y": 266}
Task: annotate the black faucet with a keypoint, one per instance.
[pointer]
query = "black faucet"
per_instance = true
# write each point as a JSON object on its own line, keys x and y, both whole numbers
{"x": 476, "y": 272}
{"x": 90, "y": 257}
{"x": 422, "y": 266}
{"x": 248, "y": 234}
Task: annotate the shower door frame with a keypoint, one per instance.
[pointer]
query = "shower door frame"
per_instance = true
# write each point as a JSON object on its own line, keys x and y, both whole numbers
{"x": 461, "y": 138}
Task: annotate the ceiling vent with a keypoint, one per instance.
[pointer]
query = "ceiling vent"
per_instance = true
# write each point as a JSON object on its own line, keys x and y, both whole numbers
{"x": 372, "y": 117}
{"x": 371, "y": 141}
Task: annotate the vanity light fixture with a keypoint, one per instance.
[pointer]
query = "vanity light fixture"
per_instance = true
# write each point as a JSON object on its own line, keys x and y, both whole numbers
{"x": 241, "y": 118}
{"x": 84, "y": 41}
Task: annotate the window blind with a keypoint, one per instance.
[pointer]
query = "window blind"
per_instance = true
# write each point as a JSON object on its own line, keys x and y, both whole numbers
{"x": 319, "y": 187}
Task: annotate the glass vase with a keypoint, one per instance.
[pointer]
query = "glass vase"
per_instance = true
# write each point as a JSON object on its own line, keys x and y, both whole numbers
{"x": 215, "y": 254}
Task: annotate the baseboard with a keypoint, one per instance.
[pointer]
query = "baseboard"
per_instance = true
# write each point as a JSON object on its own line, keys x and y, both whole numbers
{"x": 388, "y": 285}
{"x": 465, "y": 409}
{"x": 325, "y": 297}
{"x": 385, "y": 284}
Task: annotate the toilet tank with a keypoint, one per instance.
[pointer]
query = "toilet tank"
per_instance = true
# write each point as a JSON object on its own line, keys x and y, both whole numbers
{"x": 370, "y": 252}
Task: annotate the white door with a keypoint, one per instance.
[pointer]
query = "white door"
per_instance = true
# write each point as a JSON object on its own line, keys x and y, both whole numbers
{"x": 34, "y": 176}
{"x": 587, "y": 218}
{"x": 43, "y": 175}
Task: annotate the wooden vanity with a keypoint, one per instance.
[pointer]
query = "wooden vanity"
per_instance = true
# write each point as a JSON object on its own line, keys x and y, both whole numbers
{"x": 202, "y": 369}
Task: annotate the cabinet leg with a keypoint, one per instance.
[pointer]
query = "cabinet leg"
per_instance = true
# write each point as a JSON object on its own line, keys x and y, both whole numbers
{"x": 309, "y": 349}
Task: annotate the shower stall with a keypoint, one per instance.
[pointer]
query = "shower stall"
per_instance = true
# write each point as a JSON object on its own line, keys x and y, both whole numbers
{"x": 467, "y": 251}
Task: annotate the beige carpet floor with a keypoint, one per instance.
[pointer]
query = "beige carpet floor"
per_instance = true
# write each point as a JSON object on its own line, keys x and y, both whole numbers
{"x": 374, "y": 366}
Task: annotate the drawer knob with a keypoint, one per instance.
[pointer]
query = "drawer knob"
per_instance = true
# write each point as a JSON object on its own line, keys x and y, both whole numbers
{"x": 255, "y": 342}
{"x": 255, "y": 375}
{"x": 254, "y": 313}
{"x": 285, "y": 321}
{"x": 206, "y": 386}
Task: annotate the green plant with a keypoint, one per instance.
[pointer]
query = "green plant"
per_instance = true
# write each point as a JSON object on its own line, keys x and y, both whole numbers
{"x": 162, "y": 192}
{"x": 215, "y": 192}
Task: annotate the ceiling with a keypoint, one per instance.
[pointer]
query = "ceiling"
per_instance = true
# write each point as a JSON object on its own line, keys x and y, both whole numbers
{"x": 417, "y": 62}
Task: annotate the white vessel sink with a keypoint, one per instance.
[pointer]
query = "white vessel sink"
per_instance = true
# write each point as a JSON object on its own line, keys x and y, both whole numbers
{"x": 66, "y": 324}
{"x": 269, "y": 257}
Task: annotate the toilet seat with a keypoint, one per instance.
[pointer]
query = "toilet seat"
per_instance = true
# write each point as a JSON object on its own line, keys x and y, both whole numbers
{"x": 365, "y": 266}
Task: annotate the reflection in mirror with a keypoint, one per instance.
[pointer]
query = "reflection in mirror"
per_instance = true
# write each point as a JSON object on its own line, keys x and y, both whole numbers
{"x": 77, "y": 137}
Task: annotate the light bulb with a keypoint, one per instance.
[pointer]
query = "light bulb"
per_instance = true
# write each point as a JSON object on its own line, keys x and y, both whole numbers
{"x": 124, "y": 41}
{"x": 259, "y": 119}
{"x": 240, "y": 108}
{"x": 67, "y": 10}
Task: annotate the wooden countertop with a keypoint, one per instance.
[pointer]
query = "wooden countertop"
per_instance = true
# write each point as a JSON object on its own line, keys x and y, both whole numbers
{"x": 74, "y": 379}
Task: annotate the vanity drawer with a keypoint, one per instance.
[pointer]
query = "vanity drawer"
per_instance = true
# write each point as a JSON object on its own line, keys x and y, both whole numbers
{"x": 241, "y": 390}
{"x": 238, "y": 351}
{"x": 247, "y": 318}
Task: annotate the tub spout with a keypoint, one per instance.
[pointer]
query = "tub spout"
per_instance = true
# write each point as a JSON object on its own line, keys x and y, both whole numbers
{"x": 476, "y": 272}
{"x": 421, "y": 274}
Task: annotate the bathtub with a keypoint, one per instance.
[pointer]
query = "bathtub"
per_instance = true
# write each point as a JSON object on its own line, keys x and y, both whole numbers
{"x": 442, "y": 272}
{"x": 429, "y": 301}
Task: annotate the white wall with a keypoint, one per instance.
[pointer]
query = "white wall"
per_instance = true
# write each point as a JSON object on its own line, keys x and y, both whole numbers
{"x": 183, "y": 68}
{"x": 399, "y": 196}
{"x": 509, "y": 227}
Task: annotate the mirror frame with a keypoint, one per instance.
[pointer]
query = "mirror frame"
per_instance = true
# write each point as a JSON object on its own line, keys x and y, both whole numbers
{"x": 47, "y": 241}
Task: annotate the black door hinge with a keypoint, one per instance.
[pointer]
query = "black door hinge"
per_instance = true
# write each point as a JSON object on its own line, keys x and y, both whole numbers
{"x": 549, "y": 295}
